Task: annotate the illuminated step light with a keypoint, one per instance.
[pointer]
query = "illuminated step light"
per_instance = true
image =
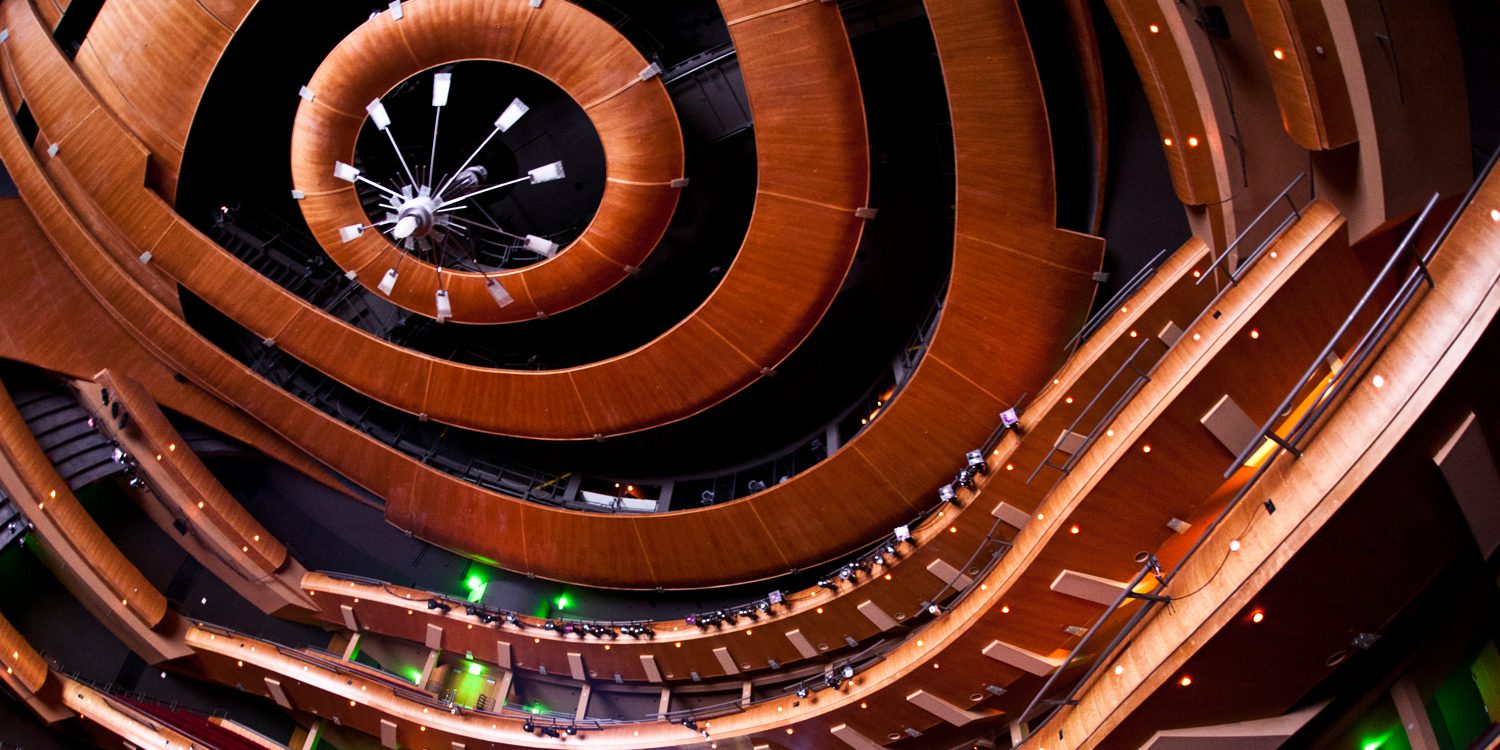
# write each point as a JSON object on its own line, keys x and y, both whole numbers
{"x": 345, "y": 172}
{"x": 444, "y": 307}
{"x": 378, "y": 115}
{"x": 498, "y": 292}
{"x": 442, "y": 83}
{"x": 351, "y": 232}
{"x": 541, "y": 245}
{"x": 512, "y": 114}
{"x": 547, "y": 173}
{"x": 387, "y": 282}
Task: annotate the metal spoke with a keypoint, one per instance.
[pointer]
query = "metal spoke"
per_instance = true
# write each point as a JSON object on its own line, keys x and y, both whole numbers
{"x": 479, "y": 225}
{"x": 497, "y": 186}
{"x": 399, "y": 197}
{"x": 437, "y": 117}
{"x": 471, "y": 158}
{"x": 392, "y": 136}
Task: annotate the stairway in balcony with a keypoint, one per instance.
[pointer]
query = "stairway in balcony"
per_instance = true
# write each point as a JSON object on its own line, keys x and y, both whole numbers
{"x": 81, "y": 454}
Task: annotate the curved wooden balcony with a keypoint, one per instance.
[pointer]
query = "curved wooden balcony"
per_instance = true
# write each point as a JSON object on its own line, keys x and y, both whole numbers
{"x": 76, "y": 549}
{"x": 772, "y": 296}
{"x": 946, "y": 410}
{"x": 1176, "y": 87}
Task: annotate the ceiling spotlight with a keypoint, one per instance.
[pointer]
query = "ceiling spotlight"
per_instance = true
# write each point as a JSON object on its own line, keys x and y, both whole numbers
{"x": 381, "y": 118}
{"x": 387, "y": 282}
{"x": 351, "y": 232}
{"x": 541, "y": 245}
{"x": 847, "y": 672}
{"x": 802, "y": 691}
{"x": 947, "y": 494}
{"x": 828, "y": 584}
{"x": 547, "y": 173}
{"x": 511, "y": 115}
{"x": 345, "y": 172}
{"x": 498, "y": 292}
{"x": 441, "y": 83}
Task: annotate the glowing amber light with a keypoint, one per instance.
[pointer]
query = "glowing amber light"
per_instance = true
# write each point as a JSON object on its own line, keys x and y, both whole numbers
{"x": 1378, "y": 381}
{"x": 788, "y": 730}
{"x": 1185, "y": 681}
{"x": 1197, "y": 273}
{"x": 1278, "y": 54}
{"x": 1166, "y": 141}
{"x": 1146, "y": 449}
{"x": 862, "y": 704}
{"x": 1255, "y": 333}
{"x": 1068, "y": 400}
{"x": 1258, "y": 616}
{"x": 1010, "y": 467}
{"x": 1192, "y": 141}
{"x": 1495, "y": 214}
{"x": 820, "y": 610}
{"x": 952, "y": 529}
{"x": 887, "y": 576}
{"x": 1119, "y": 670}
{"x": 1074, "y": 529}
{"x": 1005, "y": 609}
{"x": 1155, "y": 29}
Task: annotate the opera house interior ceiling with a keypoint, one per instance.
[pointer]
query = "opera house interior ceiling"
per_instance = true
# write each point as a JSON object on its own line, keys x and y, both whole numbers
{"x": 749, "y": 374}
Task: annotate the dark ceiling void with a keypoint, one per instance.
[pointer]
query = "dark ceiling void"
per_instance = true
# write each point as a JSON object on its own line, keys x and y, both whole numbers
{"x": 1141, "y": 215}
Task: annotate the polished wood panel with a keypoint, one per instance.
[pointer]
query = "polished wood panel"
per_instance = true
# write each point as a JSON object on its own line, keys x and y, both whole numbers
{"x": 586, "y": 57}
{"x": 1306, "y": 74}
{"x": 25, "y": 669}
{"x": 1157, "y": 35}
{"x": 39, "y": 325}
{"x": 150, "y": 61}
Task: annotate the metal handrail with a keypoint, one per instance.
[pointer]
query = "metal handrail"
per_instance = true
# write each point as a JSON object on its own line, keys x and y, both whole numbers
{"x": 1266, "y": 430}
{"x": 1128, "y": 364}
{"x": 1126, "y": 594}
{"x": 1142, "y": 274}
{"x": 1284, "y": 194}
{"x": 1303, "y": 425}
